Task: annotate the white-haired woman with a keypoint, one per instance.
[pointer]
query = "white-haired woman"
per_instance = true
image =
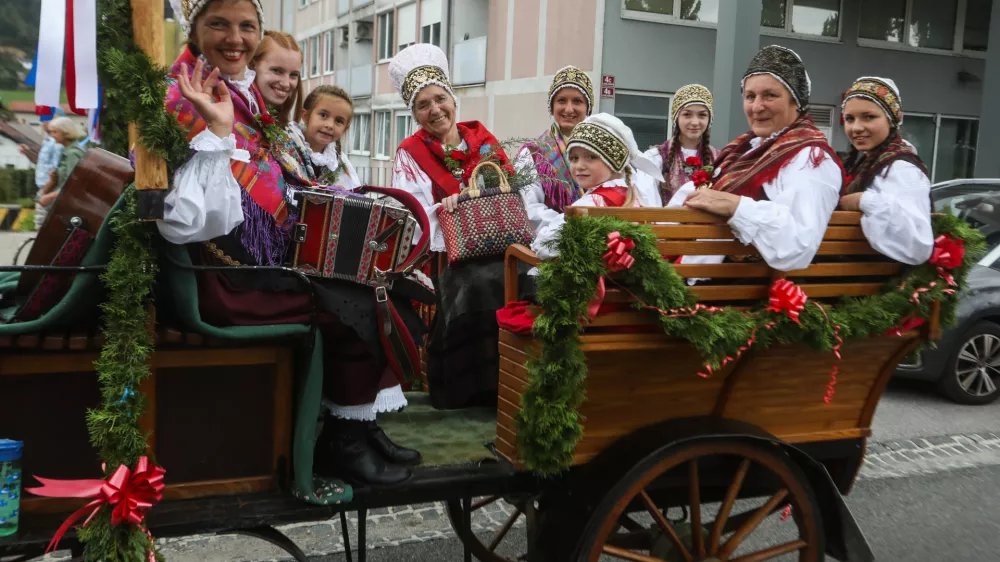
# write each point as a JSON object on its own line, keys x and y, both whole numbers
{"x": 68, "y": 134}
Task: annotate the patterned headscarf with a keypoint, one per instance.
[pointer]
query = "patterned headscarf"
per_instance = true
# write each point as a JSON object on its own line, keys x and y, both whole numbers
{"x": 883, "y": 92}
{"x": 689, "y": 95}
{"x": 606, "y": 136}
{"x": 787, "y": 67}
{"x": 572, "y": 77}
{"x": 186, "y": 11}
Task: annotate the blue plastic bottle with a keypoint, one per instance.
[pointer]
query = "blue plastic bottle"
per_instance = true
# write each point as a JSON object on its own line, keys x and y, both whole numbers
{"x": 10, "y": 485}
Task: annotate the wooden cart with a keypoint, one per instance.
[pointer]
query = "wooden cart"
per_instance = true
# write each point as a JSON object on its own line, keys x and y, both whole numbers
{"x": 737, "y": 452}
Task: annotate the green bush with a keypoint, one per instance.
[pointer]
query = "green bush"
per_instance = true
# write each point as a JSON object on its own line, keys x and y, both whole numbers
{"x": 16, "y": 184}
{"x": 27, "y": 222}
{"x": 26, "y": 202}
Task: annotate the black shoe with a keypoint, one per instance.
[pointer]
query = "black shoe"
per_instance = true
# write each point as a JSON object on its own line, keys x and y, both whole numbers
{"x": 389, "y": 450}
{"x": 343, "y": 451}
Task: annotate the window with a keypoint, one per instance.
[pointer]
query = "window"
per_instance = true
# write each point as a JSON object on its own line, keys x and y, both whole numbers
{"x": 823, "y": 118}
{"x": 305, "y": 57}
{"x": 404, "y": 127}
{"x": 648, "y": 115}
{"x": 430, "y": 21}
{"x": 360, "y": 127}
{"x": 314, "y": 56}
{"x": 406, "y": 26}
{"x": 328, "y": 52}
{"x": 805, "y": 17}
{"x": 672, "y": 10}
{"x": 937, "y": 25}
{"x": 386, "y": 36}
{"x": 382, "y": 124}
{"x": 947, "y": 144}
{"x": 303, "y": 4}
{"x": 288, "y": 15}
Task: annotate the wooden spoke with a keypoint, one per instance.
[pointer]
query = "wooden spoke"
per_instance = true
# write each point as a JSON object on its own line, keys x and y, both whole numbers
{"x": 714, "y": 539}
{"x": 772, "y": 552}
{"x": 665, "y": 526}
{"x": 505, "y": 529}
{"x": 697, "y": 541}
{"x": 629, "y": 555}
{"x": 734, "y": 542}
{"x": 479, "y": 504}
{"x": 639, "y": 540}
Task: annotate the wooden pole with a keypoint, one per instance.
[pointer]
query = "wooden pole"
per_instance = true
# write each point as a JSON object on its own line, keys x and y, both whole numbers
{"x": 151, "y": 181}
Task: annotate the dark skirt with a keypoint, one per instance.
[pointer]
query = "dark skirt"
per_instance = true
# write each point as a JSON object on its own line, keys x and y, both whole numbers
{"x": 354, "y": 365}
{"x": 462, "y": 353}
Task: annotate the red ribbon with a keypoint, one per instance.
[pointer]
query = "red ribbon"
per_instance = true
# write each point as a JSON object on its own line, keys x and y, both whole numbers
{"x": 908, "y": 323}
{"x": 787, "y": 297}
{"x": 948, "y": 252}
{"x": 831, "y": 386}
{"x": 617, "y": 257}
{"x": 130, "y": 492}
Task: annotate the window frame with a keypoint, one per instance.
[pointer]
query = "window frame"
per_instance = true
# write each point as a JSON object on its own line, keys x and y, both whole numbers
{"x": 388, "y": 42}
{"x": 314, "y": 56}
{"x": 430, "y": 35}
{"x": 396, "y": 116}
{"x": 356, "y": 134}
{"x": 641, "y": 93}
{"x": 958, "y": 39}
{"x": 304, "y": 47}
{"x": 639, "y": 15}
{"x": 328, "y": 53}
{"x": 377, "y": 154}
{"x": 937, "y": 117}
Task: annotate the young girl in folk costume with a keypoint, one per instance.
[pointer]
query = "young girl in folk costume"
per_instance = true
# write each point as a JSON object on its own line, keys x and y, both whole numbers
{"x": 327, "y": 117}
{"x": 570, "y": 102}
{"x": 230, "y": 198}
{"x": 602, "y": 155}
{"x": 434, "y": 164}
{"x": 886, "y": 180}
{"x": 778, "y": 184}
{"x": 689, "y": 149}
{"x": 278, "y": 64}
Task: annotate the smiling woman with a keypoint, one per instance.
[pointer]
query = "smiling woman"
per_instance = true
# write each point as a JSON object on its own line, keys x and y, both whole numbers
{"x": 278, "y": 64}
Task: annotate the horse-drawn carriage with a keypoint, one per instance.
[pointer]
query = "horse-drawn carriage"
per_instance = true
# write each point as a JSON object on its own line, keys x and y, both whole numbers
{"x": 756, "y": 452}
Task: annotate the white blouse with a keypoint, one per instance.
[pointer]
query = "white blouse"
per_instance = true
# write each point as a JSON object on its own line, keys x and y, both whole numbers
{"x": 788, "y": 229}
{"x": 545, "y": 236}
{"x": 897, "y": 214}
{"x": 647, "y": 186}
{"x": 408, "y": 176}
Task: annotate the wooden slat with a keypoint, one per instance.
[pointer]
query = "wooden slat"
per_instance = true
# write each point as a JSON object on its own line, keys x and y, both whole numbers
{"x": 28, "y": 341}
{"x": 845, "y": 249}
{"x": 757, "y": 292}
{"x": 845, "y": 218}
{"x": 705, "y": 248}
{"x": 624, "y": 318}
{"x": 723, "y": 270}
{"x": 691, "y": 231}
{"x": 851, "y": 269}
{"x": 648, "y": 214}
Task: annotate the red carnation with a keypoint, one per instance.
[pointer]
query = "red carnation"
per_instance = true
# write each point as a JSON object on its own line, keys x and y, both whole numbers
{"x": 948, "y": 252}
{"x": 693, "y": 161}
{"x": 700, "y": 177}
{"x": 456, "y": 155}
{"x": 267, "y": 119}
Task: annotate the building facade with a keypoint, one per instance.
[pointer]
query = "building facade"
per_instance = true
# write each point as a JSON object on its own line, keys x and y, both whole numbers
{"x": 505, "y": 52}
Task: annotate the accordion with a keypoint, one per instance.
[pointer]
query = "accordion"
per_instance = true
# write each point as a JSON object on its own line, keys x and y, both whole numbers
{"x": 350, "y": 237}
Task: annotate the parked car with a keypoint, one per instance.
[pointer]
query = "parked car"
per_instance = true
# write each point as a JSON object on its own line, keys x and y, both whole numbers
{"x": 965, "y": 364}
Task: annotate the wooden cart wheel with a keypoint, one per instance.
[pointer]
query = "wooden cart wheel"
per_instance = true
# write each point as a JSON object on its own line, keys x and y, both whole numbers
{"x": 460, "y": 513}
{"x": 698, "y": 474}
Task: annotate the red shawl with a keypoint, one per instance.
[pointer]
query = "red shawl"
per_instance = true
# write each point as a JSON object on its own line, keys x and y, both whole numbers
{"x": 746, "y": 175}
{"x": 480, "y": 141}
{"x": 862, "y": 168}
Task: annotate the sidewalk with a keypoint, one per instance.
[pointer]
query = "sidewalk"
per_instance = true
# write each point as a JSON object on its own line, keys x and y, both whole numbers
{"x": 9, "y": 243}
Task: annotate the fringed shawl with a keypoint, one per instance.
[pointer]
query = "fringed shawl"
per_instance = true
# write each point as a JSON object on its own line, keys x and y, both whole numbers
{"x": 862, "y": 168}
{"x": 745, "y": 170}
{"x": 673, "y": 169}
{"x": 552, "y": 166}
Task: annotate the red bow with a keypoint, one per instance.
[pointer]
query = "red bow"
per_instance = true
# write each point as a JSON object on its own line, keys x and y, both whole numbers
{"x": 908, "y": 323}
{"x": 948, "y": 252}
{"x": 131, "y": 492}
{"x": 787, "y": 297}
{"x": 617, "y": 257}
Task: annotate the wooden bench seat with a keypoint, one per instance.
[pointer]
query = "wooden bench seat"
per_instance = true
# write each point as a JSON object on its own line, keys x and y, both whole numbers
{"x": 640, "y": 377}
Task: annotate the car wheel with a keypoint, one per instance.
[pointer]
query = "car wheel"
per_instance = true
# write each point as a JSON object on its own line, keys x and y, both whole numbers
{"x": 973, "y": 373}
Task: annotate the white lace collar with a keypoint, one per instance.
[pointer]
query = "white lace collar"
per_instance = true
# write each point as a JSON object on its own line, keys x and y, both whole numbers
{"x": 329, "y": 158}
{"x": 243, "y": 85}
{"x": 617, "y": 182}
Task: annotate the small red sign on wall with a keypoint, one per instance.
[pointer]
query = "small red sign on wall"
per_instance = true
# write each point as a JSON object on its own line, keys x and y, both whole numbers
{"x": 608, "y": 92}
{"x": 607, "y": 81}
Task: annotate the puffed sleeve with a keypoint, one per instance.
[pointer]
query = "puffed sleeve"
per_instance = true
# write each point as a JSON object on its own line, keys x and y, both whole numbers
{"x": 897, "y": 214}
{"x": 788, "y": 229}
{"x": 205, "y": 201}
{"x": 646, "y": 186}
{"x": 543, "y": 244}
{"x": 533, "y": 195}
{"x": 408, "y": 176}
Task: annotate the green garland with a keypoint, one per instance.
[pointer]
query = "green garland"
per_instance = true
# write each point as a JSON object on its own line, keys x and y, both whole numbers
{"x": 135, "y": 90}
{"x": 548, "y": 424}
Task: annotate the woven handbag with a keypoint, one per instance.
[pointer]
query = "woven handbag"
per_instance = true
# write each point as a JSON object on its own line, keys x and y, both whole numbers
{"x": 485, "y": 222}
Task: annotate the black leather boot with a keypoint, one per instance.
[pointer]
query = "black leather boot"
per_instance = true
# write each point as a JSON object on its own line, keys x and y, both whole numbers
{"x": 342, "y": 450}
{"x": 389, "y": 450}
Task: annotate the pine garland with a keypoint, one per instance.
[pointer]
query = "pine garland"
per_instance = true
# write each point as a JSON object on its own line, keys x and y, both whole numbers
{"x": 135, "y": 90}
{"x": 548, "y": 424}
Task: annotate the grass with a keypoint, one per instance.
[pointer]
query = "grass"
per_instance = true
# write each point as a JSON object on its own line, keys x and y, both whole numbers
{"x": 27, "y": 94}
